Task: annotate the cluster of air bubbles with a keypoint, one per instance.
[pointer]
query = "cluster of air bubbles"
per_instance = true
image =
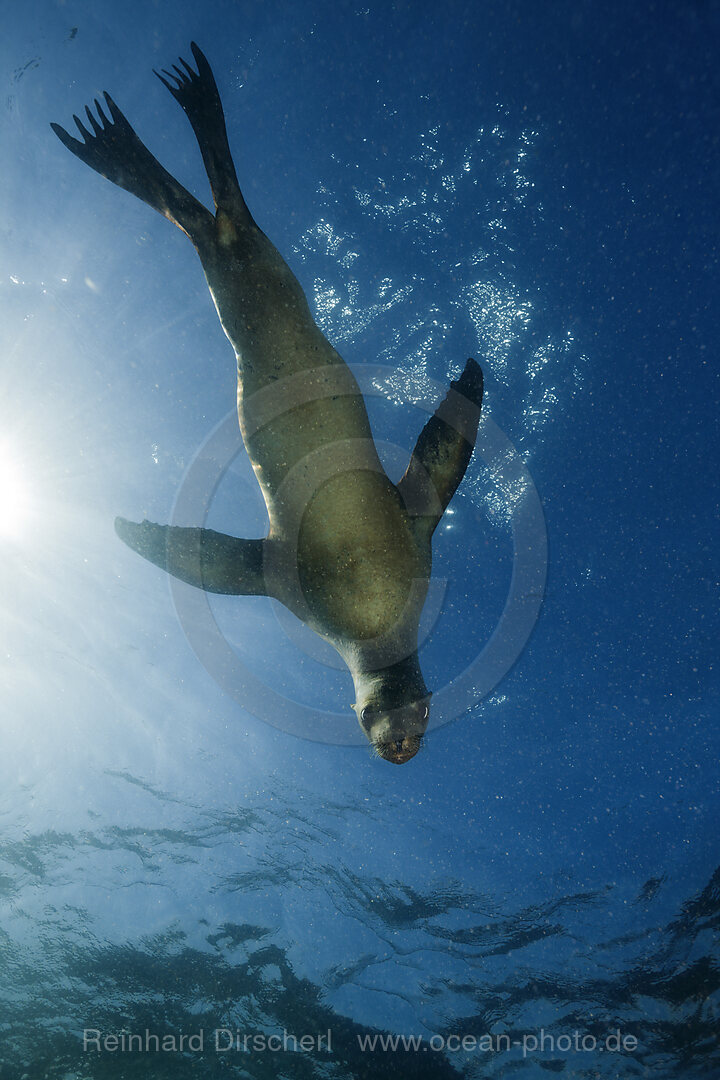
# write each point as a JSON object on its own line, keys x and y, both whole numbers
{"x": 342, "y": 311}
{"x": 500, "y": 316}
{"x": 340, "y": 317}
{"x": 429, "y": 153}
{"x": 418, "y": 344}
{"x": 500, "y": 495}
{"x": 425, "y": 199}
{"x": 325, "y": 240}
{"x": 547, "y": 367}
{"x": 460, "y": 224}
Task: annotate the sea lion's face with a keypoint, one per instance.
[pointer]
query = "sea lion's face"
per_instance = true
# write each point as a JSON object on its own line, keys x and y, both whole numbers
{"x": 396, "y": 734}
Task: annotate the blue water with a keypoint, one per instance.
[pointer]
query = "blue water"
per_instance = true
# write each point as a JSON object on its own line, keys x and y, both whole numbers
{"x": 532, "y": 185}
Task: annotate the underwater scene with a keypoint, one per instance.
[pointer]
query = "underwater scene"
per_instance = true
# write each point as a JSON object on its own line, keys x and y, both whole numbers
{"x": 359, "y": 540}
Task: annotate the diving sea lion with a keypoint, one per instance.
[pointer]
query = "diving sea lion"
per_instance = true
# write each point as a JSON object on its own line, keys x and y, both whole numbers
{"x": 347, "y": 550}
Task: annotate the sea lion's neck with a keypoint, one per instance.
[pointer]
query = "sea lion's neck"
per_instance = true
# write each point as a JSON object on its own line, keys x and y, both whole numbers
{"x": 390, "y": 687}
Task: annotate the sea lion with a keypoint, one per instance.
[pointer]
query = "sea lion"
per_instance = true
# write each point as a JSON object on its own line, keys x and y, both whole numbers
{"x": 347, "y": 550}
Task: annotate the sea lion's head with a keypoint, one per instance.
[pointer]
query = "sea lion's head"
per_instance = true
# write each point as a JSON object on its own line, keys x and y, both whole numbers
{"x": 396, "y": 734}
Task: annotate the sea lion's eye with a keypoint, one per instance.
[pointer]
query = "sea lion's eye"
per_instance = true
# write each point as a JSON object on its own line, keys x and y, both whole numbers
{"x": 425, "y": 712}
{"x": 368, "y": 714}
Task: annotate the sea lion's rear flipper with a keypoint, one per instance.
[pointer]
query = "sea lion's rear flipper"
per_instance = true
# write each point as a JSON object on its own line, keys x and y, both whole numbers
{"x": 198, "y": 94}
{"x": 209, "y": 560}
{"x": 114, "y": 150}
{"x": 444, "y": 449}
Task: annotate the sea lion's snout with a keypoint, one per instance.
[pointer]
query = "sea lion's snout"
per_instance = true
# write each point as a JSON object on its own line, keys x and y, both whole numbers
{"x": 396, "y": 734}
{"x": 399, "y": 750}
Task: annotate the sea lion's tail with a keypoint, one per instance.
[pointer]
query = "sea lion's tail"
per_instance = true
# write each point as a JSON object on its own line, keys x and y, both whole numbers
{"x": 114, "y": 150}
{"x": 198, "y": 94}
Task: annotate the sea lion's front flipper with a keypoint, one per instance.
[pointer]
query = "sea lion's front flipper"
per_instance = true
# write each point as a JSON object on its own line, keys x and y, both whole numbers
{"x": 444, "y": 449}
{"x": 209, "y": 560}
{"x": 198, "y": 94}
{"x": 115, "y": 151}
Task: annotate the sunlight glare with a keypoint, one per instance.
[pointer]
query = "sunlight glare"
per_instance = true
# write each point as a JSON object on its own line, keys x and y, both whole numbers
{"x": 14, "y": 502}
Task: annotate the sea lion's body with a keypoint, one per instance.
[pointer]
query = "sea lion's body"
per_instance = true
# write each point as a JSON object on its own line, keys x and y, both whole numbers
{"x": 347, "y": 550}
{"x": 299, "y": 408}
